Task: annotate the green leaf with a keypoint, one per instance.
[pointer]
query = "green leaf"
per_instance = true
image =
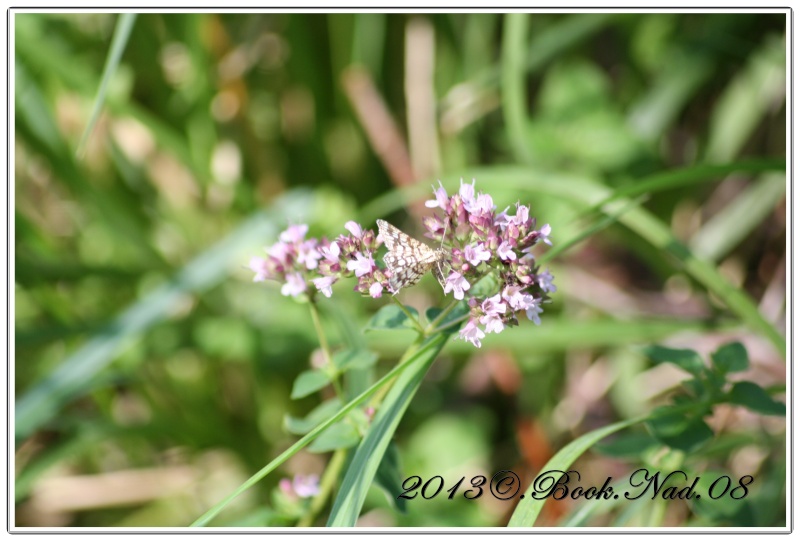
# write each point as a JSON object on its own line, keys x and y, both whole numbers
{"x": 755, "y": 398}
{"x": 318, "y": 415}
{"x": 369, "y": 454}
{"x": 630, "y": 445}
{"x": 391, "y": 317}
{"x": 342, "y": 435}
{"x": 731, "y": 358}
{"x": 716, "y": 380}
{"x": 354, "y": 359}
{"x": 528, "y": 509}
{"x": 678, "y": 430}
{"x": 686, "y": 359}
{"x": 308, "y": 382}
{"x": 696, "y": 391}
{"x": 389, "y": 477}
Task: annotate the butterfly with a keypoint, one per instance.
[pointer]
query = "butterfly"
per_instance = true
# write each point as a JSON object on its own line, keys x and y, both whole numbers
{"x": 408, "y": 258}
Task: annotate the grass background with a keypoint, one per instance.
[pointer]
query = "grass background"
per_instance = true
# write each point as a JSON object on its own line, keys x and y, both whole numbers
{"x": 154, "y": 155}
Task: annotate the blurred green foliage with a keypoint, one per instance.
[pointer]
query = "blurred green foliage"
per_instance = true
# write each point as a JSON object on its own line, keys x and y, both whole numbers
{"x": 141, "y": 343}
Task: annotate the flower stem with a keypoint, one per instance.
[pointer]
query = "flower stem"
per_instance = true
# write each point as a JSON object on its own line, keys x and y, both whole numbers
{"x": 332, "y": 471}
{"x": 438, "y": 319}
{"x": 323, "y": 344}
{"x": 410, "y": 316}
{"x": 449, "y": 324}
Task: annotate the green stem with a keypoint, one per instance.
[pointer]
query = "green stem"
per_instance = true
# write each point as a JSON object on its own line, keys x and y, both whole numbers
{"x": 456, "y": 321}
{"x": 323, "y": 344}
{"x": 410, "y": 316}
{"x": 438, "y": 319}
{"x": 325, "y": 488}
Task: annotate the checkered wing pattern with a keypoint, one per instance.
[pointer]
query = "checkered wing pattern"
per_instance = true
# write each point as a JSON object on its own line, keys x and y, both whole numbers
{"x": 408, "y": 258}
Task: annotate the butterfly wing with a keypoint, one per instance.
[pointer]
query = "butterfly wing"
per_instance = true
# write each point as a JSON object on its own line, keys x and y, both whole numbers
{"x": 407, "y": 258}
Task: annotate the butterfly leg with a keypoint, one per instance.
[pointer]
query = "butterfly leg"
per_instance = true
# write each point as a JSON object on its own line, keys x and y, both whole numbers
{"x": 439, "y": 273}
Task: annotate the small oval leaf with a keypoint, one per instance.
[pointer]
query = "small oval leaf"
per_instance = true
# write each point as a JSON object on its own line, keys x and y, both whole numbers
{"x": 731, "y": 358}
{"x": 755, "y": 398}
{"x": 686, "y": 359}
{"x": 308, "y": 382}
{"x": 685, "y": 434}
{"x": 341, "y": 435}
{"x": 350, "y": 359}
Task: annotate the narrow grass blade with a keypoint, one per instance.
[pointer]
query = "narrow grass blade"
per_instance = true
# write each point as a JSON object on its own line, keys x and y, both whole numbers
{"x": 599, "y": 225}
{"x": 691, "y": 175}
{"x": 751, "y": 94}
{"x": 369, "y": 454}
{"x": 559, "y": 334}
{"x": 732, "y": 224}
{"x": 513, "y": 86}
{"x": 657, "y": 109}
{"x": 118, "y": 42}
{"x": 528, "y": 508}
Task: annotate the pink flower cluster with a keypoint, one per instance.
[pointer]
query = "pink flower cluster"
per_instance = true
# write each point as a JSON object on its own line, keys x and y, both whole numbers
{"x": 482, "y": 241}
{"x": 295, "y": 261}
{"x": 479, "y": 241}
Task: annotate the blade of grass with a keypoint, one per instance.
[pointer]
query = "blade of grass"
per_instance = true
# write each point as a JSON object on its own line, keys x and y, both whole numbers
{"x": 598, "y": 226}
{"x": 552, "y": 41}
{"x": 674, "y": 86}
{"x": 118, "y": 42}
{"x": 563, "y": 333}
{"x": 751, "y": 95}
{"x": 738, "y": 219}
{"x": 38, "y": 405}
{"x": 528, "y": 508}
{"x": 370, "y": 451}
{"x": 691, "y": 175}
{"x": 512, "y": 84}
